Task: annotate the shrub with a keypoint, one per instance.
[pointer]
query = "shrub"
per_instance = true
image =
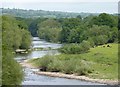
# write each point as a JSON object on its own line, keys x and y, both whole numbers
{"x": 91, "y": 41}
{"x": 66, "y": 65}
{"x": 44, "y": 62}
{"x": 85, "y": 45}
{"x": 75, "y": 48}
{"x": 12, "y": 73}
{"x": 70, "y": 49}
{"x": 55, "y": 65}
{"x": 69, "y": 66}
{"x": 82, "y": 68}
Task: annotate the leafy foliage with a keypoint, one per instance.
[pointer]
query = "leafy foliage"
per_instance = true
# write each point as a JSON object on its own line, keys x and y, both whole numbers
{"x": 13, "y": 37}
{"x": 105, "y": 19}
{"x": 12, "y": 73}
{"x": 26, "y": 39}
{"x": 100, "y": 62}
{"x": 102, "y": 29}
{"x": 12, "y": 33}
{"x": 75, "y": 48}
{"x": 98, "y": 30}
{"x": 49, "y": 30}
{"x": 59, "y": 64}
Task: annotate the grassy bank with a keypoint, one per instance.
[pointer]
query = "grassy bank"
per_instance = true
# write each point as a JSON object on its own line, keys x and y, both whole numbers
{"x": 100, "y": 62}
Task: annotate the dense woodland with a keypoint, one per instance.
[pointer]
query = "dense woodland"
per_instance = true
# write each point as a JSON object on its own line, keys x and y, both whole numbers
{"x": 77, "y": 33}
{"x": 92, "y": 30}
{"x": 14, "y": 36}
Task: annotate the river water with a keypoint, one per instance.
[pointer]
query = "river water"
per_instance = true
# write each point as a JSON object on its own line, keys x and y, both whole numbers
{"x": 34, "y": 79}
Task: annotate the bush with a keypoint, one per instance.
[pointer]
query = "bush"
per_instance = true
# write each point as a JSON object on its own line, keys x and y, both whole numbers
{"x": 101, "y": 39}
{"x": 69, "y": 66}
{"x": 75, "y": 48}
{"x": 70, "y": 49}
{"x": 55, "y": 65}
{"x": 85, "y": 46}
{"x": 91, "y": 41}
{"x": 44, "y": 62}
{"x": 82, "y": 68}
{"x": 12, "y": 73}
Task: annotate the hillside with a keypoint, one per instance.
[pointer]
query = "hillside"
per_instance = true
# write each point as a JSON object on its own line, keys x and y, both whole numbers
{"x": 41, "y": 13}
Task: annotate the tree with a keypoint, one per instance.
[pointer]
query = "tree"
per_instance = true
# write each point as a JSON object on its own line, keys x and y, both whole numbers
{"x": 12, "y": 38}
{"x": 33, "y": 25}
{"x": 85, "y": 45}
{"x": 12, "y": 73}
{"x": 49, "y": 30}
{"x": 69, "y": 30}
{"x": 16, "y": 35}
{"x": 91, "y": 41}
{"x": 74, "y": 35}
{"x": 79, "y": 16}
{"x": 10, "y": 32}
{"x": 113, "y": 35}
{"x": 105, "y": 19}
{"x": 26, "y": 39}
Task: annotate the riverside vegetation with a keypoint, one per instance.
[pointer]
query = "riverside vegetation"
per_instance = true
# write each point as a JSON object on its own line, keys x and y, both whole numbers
{"x": 99, "y": 63}
{"x": 83, "y": 38}
{"x": 13, "y": 37}
{"x": 83, "y": 52}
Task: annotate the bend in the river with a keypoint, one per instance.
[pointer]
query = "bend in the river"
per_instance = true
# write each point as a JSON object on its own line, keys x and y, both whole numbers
{"x": 34, "y": 79}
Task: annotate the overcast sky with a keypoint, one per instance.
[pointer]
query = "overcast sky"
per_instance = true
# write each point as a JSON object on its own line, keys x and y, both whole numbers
{"x": 93, "y": 6}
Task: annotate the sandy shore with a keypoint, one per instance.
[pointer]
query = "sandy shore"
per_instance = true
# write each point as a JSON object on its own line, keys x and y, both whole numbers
{"x": 61, "y": 75}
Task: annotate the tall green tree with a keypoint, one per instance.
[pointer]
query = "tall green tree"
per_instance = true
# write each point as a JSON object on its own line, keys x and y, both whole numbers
{"x": 49, "y": 30}
{"x": 68, "y": 29}
{"x": 26, "y": 39}
{"x": 11, "y": 71}
{"x": 105, "y": 19}
{"x": 13, "y": 37}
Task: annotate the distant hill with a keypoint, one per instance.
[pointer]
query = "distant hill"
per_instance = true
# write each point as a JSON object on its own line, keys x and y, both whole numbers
{"x": 41, "y": 13}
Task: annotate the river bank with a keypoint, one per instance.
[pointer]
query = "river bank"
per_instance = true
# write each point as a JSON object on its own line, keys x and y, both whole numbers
{"x": 72, "y": 76}
{"x": 34, "y": 77}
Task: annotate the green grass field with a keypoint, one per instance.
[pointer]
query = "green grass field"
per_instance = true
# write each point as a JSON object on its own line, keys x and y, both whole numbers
{"x": 103, "y": 62}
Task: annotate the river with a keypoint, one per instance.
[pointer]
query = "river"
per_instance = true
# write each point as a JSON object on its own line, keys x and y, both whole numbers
{"x": 34, "y": 79}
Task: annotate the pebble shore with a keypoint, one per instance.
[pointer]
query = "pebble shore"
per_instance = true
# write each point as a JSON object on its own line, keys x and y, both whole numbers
{"x": 72, "y": 76}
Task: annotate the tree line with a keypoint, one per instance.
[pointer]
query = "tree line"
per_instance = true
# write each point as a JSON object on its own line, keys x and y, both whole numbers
{"x": 14, "y": 36}
{"x": 98, "y": 30}
{"x": 42, "y": 13}
{"x": 95, "y": 30}
{"x": 101, "y": 29}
